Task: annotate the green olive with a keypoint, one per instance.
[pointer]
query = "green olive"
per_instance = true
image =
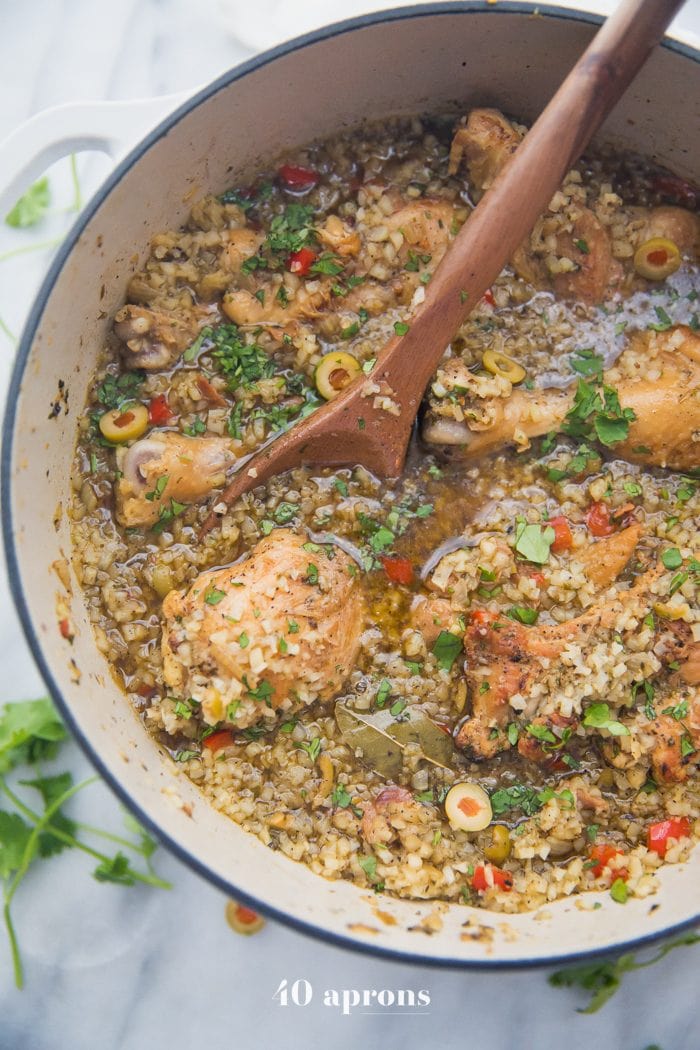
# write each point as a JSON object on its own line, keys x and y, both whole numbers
{"x": 243, "y": 920}
{"x": 657, "y": 258}
{"x": 499, "y": 850}
{"x": 503, "y": 366}
{"x": 468, "y": 807}
{"x": 124, "y": 424}
{"x": 334, "y": 372}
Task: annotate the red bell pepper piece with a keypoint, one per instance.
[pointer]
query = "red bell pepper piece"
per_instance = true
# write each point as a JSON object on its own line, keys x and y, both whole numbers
{"x": 297, "y": 178}
{"x": 224, "y": 738}
{"x": 501, "y": 878}
{"x": 159, "y": 411}
{"x": 659, "y": 834}
{"x": 398, "y": 570}
{"x": 602, "y": 855}
{"x": 563, "y": 537}
{"x": 301, "y": 262}
{"x": 598, "y": 520}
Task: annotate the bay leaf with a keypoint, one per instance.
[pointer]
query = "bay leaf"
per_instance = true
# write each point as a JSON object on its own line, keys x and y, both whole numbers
{"x": 382, "y": 739}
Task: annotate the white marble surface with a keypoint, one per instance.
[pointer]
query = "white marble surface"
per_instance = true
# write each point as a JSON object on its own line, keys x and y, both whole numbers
{"x": 131, "y": 969}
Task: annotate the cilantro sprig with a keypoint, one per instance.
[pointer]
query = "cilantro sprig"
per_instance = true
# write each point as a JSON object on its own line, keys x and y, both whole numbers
{"x": 602, "y": 979}
{"x": 31, "y": 732}
{"x": 596, "y": 415}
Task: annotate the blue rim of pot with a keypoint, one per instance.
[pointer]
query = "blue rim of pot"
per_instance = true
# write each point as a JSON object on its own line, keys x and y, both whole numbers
{"x": 28, "y": 335}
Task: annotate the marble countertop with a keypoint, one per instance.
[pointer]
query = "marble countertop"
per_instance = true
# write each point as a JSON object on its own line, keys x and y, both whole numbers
{"x": 109, "y": 968}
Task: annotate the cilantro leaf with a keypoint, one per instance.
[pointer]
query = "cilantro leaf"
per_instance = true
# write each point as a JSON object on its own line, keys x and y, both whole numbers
{"x": 523, "y": 614}
{"x": 115, "y": 869}
{"x": 50, "y": 789}
{"x": 29, "y": 730}
{"x": 586, "y": 362}
{"x": 14, "y": 838}
{"x": 597, "y": 716}
{"x": 446, "y": 649}
{"x": 592, "y": 417}
{"x": 31, "y": 207}
{"x": 533, "y": 541}
{"x": 115, "y": 391}
{"x": 602, "y": 979}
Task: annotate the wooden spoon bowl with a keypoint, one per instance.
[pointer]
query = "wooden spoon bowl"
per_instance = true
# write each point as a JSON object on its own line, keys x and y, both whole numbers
{"x": 353, "y": 428}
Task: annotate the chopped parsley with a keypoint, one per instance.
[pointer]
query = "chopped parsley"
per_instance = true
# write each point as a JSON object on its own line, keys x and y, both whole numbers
{"x": 687, "y": 747}
{"x": 679, "y": 711}
{"x": 167, "y": 515}
{"x": 158, "y": 488}
{"x": 586, "y": 362}
{"x": 284, "y": 512}
{"x": 311, "y": 574}
{"x": 523, "y": 614}
{"x": 197, "y": 427}
{"x": 311, "y": 747}
{"x": 242, "y": 363}
{"x": 213, "y": 595}
{"x": 383, "y": 692}
{"x": 596, "y": 415}
{"x": 529, "y": 800}
{"x": 327, "y": 263}
{"x": 663, "y": 323}
{"x": 115, "y": 391}
{"x": 341, "y": 797}
{"x": 400, "y": 327}
{"x": 263, "y": 692}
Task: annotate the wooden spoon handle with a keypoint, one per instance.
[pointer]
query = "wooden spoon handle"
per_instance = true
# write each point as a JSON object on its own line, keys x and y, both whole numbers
{"x": 353, "y": 428}
{"x": 523, "y": 189}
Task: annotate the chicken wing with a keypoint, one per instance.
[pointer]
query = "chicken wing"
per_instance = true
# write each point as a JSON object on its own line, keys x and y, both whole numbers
{"x": 168, "y": 466}
{"x": 665, "y": 433}
{"x": 153, "y": 339}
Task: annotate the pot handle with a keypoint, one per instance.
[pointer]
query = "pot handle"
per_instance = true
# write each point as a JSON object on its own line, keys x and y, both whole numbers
{"x": 107, "y": 127}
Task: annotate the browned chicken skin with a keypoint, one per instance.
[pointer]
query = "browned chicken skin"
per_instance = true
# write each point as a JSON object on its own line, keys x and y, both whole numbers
{"x": 191, "y": 466}
{"x": 153, "y": 339}
{"x": 276, "y": 631}
{"x": 485, "y": 143}
{"x": 665, "y": 433}
{"x": 604, "y": 561}
{"x": 503, "y": 658}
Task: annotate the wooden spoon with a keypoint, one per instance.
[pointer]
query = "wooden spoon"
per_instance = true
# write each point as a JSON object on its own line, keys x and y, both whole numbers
{"x": 349, "y": 429}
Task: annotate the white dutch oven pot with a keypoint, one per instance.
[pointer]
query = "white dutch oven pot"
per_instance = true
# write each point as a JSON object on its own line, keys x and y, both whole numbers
{"x": 437, "y": 57}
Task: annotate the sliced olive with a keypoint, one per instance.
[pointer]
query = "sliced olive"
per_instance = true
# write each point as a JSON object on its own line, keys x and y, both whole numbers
{"x": 468, "y": 807}
{"x": 334, "y": 372}
{"x": 499, "y": 850}
{"x": 243, "y": 920}
{"x": 503, "y": 366}
{"x": 657, "y": 258}
{"x": 124, "y": 424}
